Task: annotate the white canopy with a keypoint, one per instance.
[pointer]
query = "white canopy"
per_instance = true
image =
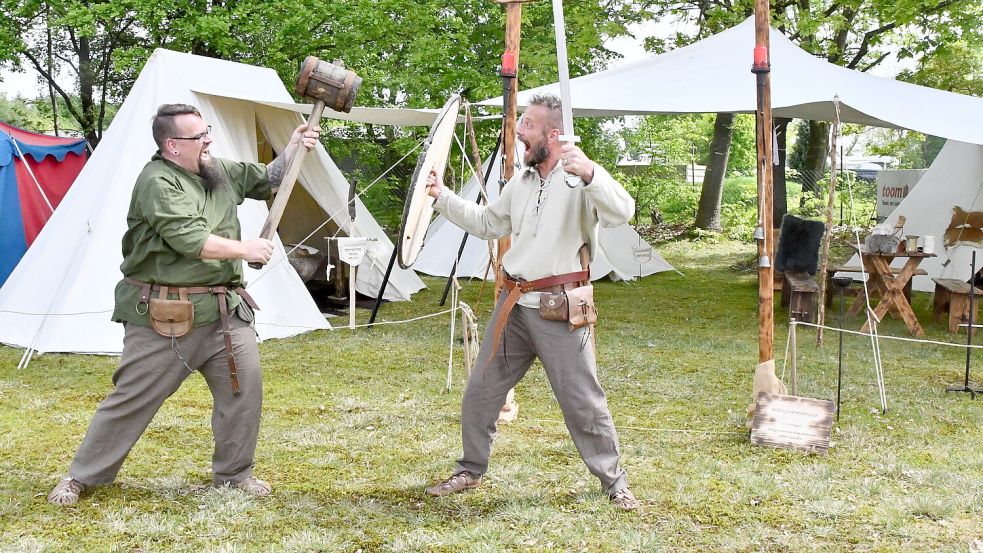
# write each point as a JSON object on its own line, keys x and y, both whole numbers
{"x": 955, "y": 179}
{"x": 714, "y": 75}
{"x": 622, "y": 255}
{"x": 60, "y": 296}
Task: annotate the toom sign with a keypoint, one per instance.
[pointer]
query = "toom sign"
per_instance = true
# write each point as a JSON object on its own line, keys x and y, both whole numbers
{"x": 893, "y": 186}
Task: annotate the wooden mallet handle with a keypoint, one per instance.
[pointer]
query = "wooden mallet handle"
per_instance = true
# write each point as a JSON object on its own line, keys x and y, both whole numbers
{"x": 287, "y": 185}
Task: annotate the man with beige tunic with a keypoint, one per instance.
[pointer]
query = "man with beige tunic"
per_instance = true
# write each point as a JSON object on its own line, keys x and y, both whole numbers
{"x": 182, "y": 303}
{"x": 549, "y": 222}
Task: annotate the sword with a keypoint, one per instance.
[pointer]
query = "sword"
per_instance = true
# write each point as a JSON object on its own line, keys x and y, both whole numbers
{"x": 566, "y": 108}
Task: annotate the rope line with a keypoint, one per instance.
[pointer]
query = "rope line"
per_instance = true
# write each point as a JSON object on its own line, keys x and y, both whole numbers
{"x": 886, "y": 337}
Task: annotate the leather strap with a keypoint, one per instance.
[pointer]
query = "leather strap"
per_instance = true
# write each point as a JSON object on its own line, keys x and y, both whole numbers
{"x": 220, "y": 292}
{"x": 518, "y": 287}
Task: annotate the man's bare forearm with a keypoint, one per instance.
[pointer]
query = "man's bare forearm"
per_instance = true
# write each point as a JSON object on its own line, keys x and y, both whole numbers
{"x": 277, "y": 168}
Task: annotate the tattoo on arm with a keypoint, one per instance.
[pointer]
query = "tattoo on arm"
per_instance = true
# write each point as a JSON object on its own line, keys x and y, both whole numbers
{"x": 275, "y": 171}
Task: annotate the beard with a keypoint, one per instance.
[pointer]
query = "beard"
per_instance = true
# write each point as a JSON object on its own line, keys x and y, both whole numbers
{"x": 211, "y": 172}
{"x": 536, "y": 152}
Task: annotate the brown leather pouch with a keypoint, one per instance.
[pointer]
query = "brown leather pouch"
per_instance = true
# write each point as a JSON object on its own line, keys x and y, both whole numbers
{"x": 580, "y": 302}
{"x": 553, "y": 307}
{"x": 171, "y": 318}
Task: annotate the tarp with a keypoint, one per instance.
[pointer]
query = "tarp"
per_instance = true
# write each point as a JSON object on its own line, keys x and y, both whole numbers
{"x": 36, "y": 171}
{"x": 60, "y": 297}
{"x": 714, "y": 75}
{"x": 622, "y": 255}
{"x": 955, "y": 179}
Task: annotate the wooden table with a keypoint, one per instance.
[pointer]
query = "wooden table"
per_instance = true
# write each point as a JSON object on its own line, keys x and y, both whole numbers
{"x": 891, "y": 286}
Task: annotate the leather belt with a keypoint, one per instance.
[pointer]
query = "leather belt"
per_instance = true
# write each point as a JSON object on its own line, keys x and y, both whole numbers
{"x": 518, "y": 287}
{"x": 220, "y": 291}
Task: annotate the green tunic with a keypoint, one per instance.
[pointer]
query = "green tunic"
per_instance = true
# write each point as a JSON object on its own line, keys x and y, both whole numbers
{"x": 171, "y": 215}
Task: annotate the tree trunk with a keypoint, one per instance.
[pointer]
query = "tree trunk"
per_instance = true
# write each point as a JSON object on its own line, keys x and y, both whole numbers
{"x": 780, "y": 207}
{"x": 814, "y": 166}
{"x": 87, "y": 81}
{"x": 708, "y": 213}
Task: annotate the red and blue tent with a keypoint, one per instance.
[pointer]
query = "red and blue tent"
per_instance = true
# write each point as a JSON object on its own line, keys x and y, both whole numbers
{"x": 36, "y": 171}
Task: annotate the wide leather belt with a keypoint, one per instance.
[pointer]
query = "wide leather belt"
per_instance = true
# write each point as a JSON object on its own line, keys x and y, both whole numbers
{"x": 518, "y": 287}
{"x": 220, "y": 291}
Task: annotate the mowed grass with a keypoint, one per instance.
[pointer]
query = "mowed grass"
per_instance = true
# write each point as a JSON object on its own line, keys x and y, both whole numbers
{"x": 356, "y": 424}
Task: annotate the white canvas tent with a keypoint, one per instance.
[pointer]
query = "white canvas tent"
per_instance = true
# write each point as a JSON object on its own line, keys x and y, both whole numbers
{"x": 60, "y": 297}
{"x": 622, "y": 255}
{"x": 955, "y": 179}
{"x": 713, "y": 75}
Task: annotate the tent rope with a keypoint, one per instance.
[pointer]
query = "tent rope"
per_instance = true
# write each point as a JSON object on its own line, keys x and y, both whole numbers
{"x": 31, "y": 172}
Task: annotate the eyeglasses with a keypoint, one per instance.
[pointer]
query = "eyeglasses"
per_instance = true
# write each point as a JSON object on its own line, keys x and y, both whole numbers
{"x": 198, "y": 137}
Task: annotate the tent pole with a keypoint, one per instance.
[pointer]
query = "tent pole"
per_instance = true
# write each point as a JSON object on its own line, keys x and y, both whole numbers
{"x": 464, "y": 240}
{"x": 762, "y": 70}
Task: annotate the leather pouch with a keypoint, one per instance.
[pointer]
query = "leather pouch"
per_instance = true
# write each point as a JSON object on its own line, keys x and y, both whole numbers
{"x": 171, "y": 318}
{"x": 553, "y": 307}
{"x": 580, "y": 304}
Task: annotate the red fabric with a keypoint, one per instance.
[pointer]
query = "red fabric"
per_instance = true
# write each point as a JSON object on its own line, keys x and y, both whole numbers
{"x": 35, "y": 138}
{"x": 55, "y": 178}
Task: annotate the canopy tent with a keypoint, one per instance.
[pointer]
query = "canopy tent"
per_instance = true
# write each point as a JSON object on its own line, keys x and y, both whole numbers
{"x": 622, "y": 254}
{"x": 60, "y": 298}
{"x": 955, "y": 180}
{"x": 36, "y": 171}
{"x": 713, "y": 75}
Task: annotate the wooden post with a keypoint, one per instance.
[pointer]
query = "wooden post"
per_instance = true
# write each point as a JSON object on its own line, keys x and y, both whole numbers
{"x": 762, "y": 70}
{"x": 510, "y": 87}
{"x": 793, "y": 330}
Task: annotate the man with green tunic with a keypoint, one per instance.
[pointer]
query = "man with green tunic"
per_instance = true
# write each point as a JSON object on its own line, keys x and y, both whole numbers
{"x": 182, "y": 304}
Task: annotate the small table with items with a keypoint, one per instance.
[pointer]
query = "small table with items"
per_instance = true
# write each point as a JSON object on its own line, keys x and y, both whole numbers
{"x": 890, "y": 285}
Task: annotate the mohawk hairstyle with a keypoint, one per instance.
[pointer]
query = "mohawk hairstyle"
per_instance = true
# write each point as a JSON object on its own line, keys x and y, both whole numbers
{"x": 552, "y": 103}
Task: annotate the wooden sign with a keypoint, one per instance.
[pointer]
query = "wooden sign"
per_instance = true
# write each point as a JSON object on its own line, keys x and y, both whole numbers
{"x": 792, "y": 422}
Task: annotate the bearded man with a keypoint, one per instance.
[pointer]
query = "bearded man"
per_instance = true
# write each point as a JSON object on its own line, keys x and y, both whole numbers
{"x": 182, "y": 303}
{"x": 553, "y": 226}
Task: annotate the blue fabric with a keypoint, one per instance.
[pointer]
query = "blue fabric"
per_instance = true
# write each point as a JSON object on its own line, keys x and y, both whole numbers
{"x": 13, "y": 243}
{"x": 37, "y": 152}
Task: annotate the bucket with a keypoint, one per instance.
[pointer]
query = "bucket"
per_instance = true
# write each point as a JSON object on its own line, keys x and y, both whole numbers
{"x": 329, "y": 82}
{"x": 928, "y": 244}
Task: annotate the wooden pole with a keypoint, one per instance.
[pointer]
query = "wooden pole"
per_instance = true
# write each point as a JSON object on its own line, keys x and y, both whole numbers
{"x": 510, "y": 87}
{"x": 828, "y": 234}
{"x": 762, "y": 70}
{"x": 793, "y": 332}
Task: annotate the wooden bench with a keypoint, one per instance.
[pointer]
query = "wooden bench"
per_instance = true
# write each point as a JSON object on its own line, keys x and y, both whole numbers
{"x": 799, "y": 294}
{"x": 854, "y": 292}
{"x": 952, "y": 297}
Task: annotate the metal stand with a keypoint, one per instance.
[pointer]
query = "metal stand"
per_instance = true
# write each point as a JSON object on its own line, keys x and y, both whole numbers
{"x": 966, "y": 386}
{"x": 382, "y": 289}
{"x": 841, "y": 283}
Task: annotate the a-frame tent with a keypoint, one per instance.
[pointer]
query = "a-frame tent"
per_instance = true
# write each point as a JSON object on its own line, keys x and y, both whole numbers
{"x": 714, "y": 75}
{"x": 622, "y": 253}
{"x": 60, "y": 297}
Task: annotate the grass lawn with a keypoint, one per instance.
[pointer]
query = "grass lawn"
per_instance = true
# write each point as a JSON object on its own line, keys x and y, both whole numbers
{"x": 357, "y": 423}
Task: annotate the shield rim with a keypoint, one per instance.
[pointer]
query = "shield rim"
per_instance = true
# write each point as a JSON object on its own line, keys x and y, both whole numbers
{"x": 419, "y": 207}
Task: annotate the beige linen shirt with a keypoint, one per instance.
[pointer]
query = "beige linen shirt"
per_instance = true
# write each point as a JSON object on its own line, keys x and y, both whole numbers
{"x": 548, "y": 220}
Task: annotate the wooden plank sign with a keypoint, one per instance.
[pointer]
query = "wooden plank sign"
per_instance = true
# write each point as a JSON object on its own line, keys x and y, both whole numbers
{"x": 792, "y": 422}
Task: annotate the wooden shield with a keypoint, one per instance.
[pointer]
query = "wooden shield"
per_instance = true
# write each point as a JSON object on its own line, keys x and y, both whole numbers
{"x": 418, "y": 208}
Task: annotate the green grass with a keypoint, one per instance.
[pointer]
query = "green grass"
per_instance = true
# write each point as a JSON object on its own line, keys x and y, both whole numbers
{"x": 357, "y": 423}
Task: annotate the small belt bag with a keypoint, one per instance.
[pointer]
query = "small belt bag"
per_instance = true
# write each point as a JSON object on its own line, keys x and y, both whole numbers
{"x": 171, "y": 318}
{"x": 574, "y": 306}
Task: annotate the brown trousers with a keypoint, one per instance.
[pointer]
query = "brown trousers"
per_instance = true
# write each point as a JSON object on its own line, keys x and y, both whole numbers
{"x": 568, "y": 358}
{"x": 149, "y": 372}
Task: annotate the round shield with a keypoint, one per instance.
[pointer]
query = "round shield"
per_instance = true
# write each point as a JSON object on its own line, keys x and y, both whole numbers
{"x": 419, "y": 205}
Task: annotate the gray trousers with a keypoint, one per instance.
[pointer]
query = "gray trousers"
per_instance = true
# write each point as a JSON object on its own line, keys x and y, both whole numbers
{"x": 149, "y": 372}
{"x": 570, "y": 364}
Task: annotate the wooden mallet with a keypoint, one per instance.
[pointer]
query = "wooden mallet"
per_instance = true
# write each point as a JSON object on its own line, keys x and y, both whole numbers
{"x": 329, "y": 84}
